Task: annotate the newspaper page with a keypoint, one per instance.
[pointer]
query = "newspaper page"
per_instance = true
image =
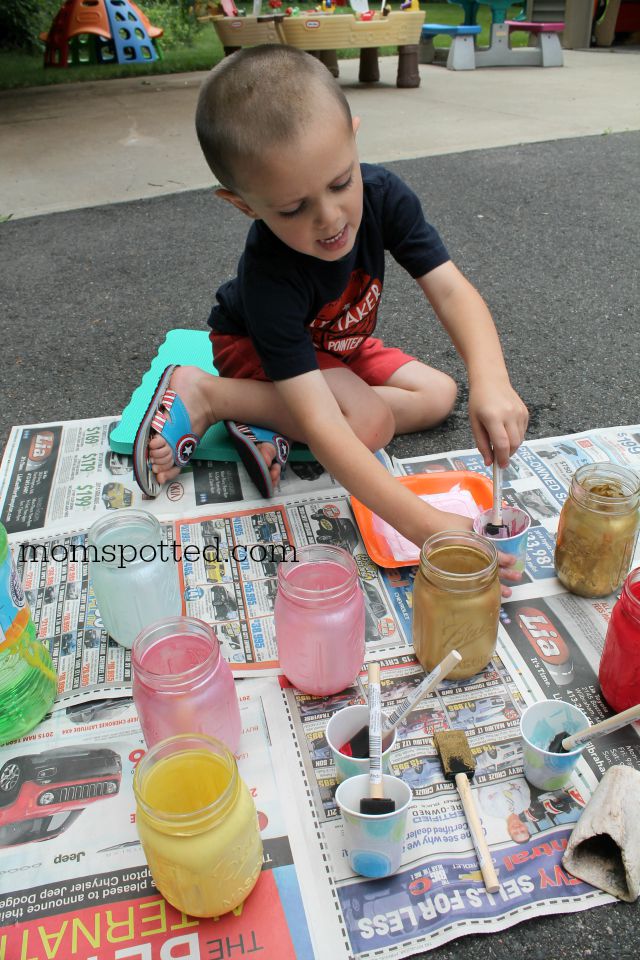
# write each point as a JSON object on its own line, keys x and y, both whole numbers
{"x": 438, "y": 894}
{"x": 86, "y": 891}
{"x": 58, "y": 474}
{"x": 227, "y": 567}
{"x": 549, "y": 645}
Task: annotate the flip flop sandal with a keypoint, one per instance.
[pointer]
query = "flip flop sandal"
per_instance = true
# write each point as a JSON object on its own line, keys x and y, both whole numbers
{"x": 245, "y": 439}
{"x": 167, "y": 416}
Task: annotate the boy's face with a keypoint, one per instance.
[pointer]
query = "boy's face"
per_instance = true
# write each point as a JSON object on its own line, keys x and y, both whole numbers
{"x": 309, "y": 193}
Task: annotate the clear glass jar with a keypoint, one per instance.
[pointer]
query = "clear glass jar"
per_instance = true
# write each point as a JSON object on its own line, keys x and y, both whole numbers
{"x": 598, "y": 529}
{"x": 619, "y": 673}
{"x": 28, "y": 681}
{"x": 183, "y": 684}
{"x": 198, "y": 825}
{"x": 132, "y": 584}
{"x": 456, "y": 601}
{"x": 319, "y": 619}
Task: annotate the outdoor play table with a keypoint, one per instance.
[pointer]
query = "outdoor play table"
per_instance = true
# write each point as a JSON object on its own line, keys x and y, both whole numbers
{"x": 323, "y": 34}
{"x": 498, "y": 53}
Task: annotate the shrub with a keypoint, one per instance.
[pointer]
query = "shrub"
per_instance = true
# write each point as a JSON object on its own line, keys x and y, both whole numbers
{"x": 176, "y": 18}
{"x": 19, "y": 21}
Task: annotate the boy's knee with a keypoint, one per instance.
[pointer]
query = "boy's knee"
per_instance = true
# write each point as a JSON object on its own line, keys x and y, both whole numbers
{"x": 375, "y": 426}
{"x": 450, "y": 394}
{"x": 444, "y": 399}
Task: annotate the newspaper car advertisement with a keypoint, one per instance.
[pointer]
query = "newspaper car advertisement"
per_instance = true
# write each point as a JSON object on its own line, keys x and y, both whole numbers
{"x": 229, "y": 579}
{"x": 87, "y": 891}
{"x": 55, "y": 573}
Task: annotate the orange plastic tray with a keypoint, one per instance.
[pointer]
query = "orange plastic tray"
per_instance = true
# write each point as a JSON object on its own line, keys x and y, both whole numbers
{"x": 479, "y": 486}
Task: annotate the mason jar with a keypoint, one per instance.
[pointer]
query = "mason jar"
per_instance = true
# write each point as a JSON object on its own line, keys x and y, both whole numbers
{"x": 597, "y": 530}
{"x": 456, "y": 601}
{"x": 319, "y": 619}
{"x": 619, "y": 672}
{"x": 198, "y": 825}
{"x": 132, "y": 583}
{"x": 182, "y": 683}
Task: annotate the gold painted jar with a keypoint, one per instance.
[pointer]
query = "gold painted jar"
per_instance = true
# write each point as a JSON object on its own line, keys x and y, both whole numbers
{"x": 598, "y": 529}
{"x": 198, "y": 825}
{"x": 456, "y": 601}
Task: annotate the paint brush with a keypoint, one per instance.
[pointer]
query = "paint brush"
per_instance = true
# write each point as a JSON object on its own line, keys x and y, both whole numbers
{"x": 459, "y": 766}
{"x": 496, "y": 528}
{"x": 358, "y": 745}
{"x": 563, "y": 743}
{"x": 376, "y": 803}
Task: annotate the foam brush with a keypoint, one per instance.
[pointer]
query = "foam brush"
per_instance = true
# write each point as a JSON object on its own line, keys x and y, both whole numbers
{"x": 459, "y": 766}
{"x": 563, "y": 743}
{"x": 376, "y": 803}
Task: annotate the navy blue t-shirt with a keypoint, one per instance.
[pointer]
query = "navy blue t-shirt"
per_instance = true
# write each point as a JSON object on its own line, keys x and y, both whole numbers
{"x": 291, "y": 304}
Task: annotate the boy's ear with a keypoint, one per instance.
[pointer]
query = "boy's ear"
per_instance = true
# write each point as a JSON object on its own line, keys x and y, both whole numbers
{"x": 236, "y": 201}
{"x": 355, "y": 123}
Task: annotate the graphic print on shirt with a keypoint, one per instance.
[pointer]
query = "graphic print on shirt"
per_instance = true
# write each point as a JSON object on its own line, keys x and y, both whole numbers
{"x": 342, "y": 325}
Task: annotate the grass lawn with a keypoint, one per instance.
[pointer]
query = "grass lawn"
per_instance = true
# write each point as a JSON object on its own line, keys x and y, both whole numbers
{"x": 27, "y": 70}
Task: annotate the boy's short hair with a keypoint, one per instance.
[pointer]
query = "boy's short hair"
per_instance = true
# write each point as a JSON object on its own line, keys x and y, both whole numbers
{"x": 257, "y": 98}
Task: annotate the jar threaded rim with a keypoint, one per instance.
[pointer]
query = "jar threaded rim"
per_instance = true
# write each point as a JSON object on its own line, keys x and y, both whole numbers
{"x": 192, "y": 821}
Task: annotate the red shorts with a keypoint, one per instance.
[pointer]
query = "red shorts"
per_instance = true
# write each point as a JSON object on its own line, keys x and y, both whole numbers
{"x": 374, "y": 363}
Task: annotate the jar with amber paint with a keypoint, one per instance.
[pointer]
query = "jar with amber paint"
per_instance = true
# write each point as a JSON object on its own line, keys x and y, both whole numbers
{"x": 456, "y": 601}
{"x": 198, "y": 825}
{"x": 598, "y": 529}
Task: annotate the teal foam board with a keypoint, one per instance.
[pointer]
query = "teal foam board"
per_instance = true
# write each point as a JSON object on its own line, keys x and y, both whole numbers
{"x": 189, "y": 348}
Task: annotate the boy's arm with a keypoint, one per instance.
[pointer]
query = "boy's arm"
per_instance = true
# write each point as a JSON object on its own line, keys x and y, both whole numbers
{"x": 335, "y": 445}
{"x": 498, "y": 416}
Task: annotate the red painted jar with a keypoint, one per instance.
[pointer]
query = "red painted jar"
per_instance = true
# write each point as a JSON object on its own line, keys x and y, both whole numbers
{"x": 619, "y": 673}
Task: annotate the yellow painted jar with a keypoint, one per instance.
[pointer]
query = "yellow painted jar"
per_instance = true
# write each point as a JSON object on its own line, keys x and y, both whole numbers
{"x": 198, "y": 825}
{"x": 456, "y": 602}
{"x": 598, "y": 529}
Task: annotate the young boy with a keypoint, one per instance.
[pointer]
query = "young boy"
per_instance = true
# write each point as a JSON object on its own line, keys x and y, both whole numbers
{"x": 292, "y": 334}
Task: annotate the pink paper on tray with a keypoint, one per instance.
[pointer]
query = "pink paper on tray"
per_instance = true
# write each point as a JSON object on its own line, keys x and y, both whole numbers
{"x": 455, "y": 500}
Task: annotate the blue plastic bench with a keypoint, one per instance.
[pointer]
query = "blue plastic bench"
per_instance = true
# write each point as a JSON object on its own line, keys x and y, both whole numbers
{"x": 462, "y": 50}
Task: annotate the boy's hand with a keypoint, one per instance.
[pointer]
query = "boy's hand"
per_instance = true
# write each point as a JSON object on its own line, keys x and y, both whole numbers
{"x": 498, "y": 418}
{"x": 505, "y": 563}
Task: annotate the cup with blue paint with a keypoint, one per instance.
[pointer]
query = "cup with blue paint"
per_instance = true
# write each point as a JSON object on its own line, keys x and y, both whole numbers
{"x": 374, "y": 842}
{"x": 539, "y": 726}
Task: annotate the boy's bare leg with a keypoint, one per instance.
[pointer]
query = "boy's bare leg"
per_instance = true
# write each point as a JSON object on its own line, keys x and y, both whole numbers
{"x": 420, "y": 397}
{"x": 209, "y": 399}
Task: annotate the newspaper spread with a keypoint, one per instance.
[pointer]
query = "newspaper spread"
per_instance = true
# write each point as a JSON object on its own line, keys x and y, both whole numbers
{"x": 62, "y": 474}
{"x": 86, "y": 892}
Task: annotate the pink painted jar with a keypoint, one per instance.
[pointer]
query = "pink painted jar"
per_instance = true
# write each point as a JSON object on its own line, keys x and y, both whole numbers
{"x": 183, "y": 684}
{"x": 319, "y": 619}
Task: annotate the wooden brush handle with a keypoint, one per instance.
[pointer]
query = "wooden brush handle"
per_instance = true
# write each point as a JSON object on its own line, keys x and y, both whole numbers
{"x": 599, "y": 729}
{"x": 489, "y": 874}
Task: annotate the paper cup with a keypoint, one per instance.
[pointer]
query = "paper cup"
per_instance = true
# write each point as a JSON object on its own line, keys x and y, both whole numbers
{"x": 373, "y": 843}
{"x": 518, "y": 523}
{"x": 539, "y": 724}
{"x": 341, "y": 727}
